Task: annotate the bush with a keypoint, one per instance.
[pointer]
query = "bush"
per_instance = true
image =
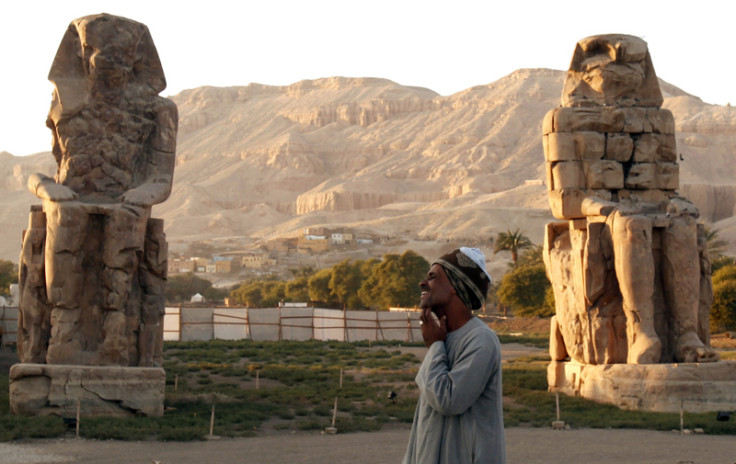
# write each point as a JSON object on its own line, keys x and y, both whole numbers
{"x": 723, "y": 312}
{"x": 523, "y": 289}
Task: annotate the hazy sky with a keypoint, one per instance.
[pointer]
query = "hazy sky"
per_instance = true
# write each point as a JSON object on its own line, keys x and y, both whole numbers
{"x": 446, "y": 46}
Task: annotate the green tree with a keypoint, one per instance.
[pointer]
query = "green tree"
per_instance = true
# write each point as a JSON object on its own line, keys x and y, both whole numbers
{"x": 723, "y": 311}
{"x": 319, "y": 286}
{"x": 721, "y": 261}
{"x": 297, "y": 290}
{"x": 273, "y": 292}
{"x": 511, "y": 241}
{"x": 248, "y": 294}
{"x": 394, "y": 281}
{"x": 181, "y": 287}
{"x": 523, "y": 289}
{"x": 216, "y": 294}
{"x": 8, "y": 275}
{"x": 531, "y": 256}
{"x": 345, "y": 280}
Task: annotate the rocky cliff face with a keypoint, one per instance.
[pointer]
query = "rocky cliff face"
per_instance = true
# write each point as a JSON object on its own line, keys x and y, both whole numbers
{"x": 260, "y": 161}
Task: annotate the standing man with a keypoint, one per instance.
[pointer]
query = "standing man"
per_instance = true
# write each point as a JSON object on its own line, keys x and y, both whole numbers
{"x": 459, "y": 416}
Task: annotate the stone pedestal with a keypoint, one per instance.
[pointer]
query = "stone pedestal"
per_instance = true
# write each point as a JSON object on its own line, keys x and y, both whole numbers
{"x": 109, "y": 391}
{"x": 698, "y": 387}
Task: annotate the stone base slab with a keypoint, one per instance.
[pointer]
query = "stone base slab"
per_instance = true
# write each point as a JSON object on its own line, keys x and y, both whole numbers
{"x": 698, "y": 387}
{"x": 102, "y": 391}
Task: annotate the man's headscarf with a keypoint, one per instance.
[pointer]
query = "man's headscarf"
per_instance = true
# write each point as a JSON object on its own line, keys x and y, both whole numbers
{"x": 466, "y": 269}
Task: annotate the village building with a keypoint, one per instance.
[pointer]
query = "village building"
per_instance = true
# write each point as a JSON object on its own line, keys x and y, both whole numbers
{"x": 177, "y": 266}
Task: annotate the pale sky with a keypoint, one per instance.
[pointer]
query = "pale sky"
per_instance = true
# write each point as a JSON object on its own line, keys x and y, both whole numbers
{"x": 446, "y": 46}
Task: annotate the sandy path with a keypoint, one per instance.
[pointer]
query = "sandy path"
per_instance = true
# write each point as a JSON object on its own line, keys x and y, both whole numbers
{"x": 525, "y": 446}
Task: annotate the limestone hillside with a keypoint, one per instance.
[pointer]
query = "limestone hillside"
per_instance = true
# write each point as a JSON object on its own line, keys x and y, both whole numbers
{"x": 258, "y": 162}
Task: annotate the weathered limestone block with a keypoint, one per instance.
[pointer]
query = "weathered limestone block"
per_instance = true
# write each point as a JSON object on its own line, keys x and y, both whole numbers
{"x": 568, "y": 203}
{"x": 636, "y": 120}
{"x": 643, "y": 197}
{"x": 646, "y": 147}
{"x": 661, "y": 120}
{"x": 568, "y": 175}
{"x": 43, "y": 389}
{"x": 641, "y": 176}
{"x": 697, "y": 387}
{"x": 548, "y": 123}
{"x": 667, "y": 176}
{"x": 667, "y": 151}
{"x": 604, "y": 174}
{"x": 588, "y": 119}
{"x": 619, "y": 147}
{"x": 573, "y": 146}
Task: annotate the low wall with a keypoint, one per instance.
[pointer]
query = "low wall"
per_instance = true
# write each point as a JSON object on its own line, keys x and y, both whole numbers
{"x": 289, "y": 323}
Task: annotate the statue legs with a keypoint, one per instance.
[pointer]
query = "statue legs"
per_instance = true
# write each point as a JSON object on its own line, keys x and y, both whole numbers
{"x": 681, "y": 282}
{"x": 123, "y": 248}
{"x": 634, "y": 263}
{"x": 92, "y": 258}
{"x": 66, "y": 233}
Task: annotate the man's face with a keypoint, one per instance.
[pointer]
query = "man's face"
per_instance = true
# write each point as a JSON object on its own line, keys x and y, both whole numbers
{"x": 436, "y": 290}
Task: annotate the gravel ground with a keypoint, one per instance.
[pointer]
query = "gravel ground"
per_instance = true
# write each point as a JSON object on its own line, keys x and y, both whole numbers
{"x": 524, "y": 446}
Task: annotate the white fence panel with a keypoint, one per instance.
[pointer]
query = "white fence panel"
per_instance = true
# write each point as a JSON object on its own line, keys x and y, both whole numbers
{"x": 172, "y": 324}
{"x": 9, "y": 324}
{"x": 196, "y": 324}
{"x": 296, "y": 323}
{"x": 264, "y": 323}
{"x": 361, "y": 325}
{"x": 395, "y": 326}
{"x": 329, "y": 324}
{"x": 230, "y": 323}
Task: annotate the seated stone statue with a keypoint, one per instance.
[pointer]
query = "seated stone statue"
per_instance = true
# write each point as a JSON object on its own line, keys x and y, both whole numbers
{"x": 629, "y": 268}
{"x": 93, "y": 263}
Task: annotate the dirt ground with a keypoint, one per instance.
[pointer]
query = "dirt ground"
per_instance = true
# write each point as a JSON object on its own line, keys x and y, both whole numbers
{"x": 524, "y": 446}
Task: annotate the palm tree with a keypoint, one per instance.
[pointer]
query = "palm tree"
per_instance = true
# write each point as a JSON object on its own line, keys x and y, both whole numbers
{"x": 716, "y": 245}
{"x": 513, "y": 242}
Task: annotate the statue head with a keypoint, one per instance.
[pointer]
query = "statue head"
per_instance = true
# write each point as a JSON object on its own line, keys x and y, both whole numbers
{"x": 103, "y": 57}
{"x": 611, "y": 70}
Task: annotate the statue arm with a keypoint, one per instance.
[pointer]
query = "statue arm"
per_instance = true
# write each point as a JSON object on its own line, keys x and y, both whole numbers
{"x": 157, "y": 187}
{"x": 45, "y": 188}
{"x": 154, "y": 190}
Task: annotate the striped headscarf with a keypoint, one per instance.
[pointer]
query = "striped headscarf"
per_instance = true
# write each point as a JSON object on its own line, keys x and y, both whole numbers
{"x": 466, "y": 269}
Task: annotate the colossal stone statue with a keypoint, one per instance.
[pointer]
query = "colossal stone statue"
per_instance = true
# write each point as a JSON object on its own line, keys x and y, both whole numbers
{"x": 93, "y": 261}
{"x": 629, "y": 254}
{"x": 628, "y": 266}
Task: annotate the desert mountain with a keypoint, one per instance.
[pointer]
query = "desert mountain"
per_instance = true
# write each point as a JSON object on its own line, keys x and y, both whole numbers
{"x": 259, "y": 162}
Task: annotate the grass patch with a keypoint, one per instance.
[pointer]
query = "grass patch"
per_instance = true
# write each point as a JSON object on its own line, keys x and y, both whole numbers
{"x": 298, "y": 383}
{"x": 537, "y": 341}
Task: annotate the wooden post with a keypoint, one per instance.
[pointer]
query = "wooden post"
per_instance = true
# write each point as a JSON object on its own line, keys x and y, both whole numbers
{"x": 212, "y": 420}
{"x": 340, "y": 377}
{"x": 176, "y": 382}
{"x": 334, "y": 414}
{"x": 79, "y": 407}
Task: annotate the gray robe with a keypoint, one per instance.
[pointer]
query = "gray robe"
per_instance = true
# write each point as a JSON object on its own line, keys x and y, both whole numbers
{"x": 459, "y": 417}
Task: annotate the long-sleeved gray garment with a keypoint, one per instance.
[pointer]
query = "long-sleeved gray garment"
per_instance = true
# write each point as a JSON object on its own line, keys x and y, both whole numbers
{"x": 459, "y": 417}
